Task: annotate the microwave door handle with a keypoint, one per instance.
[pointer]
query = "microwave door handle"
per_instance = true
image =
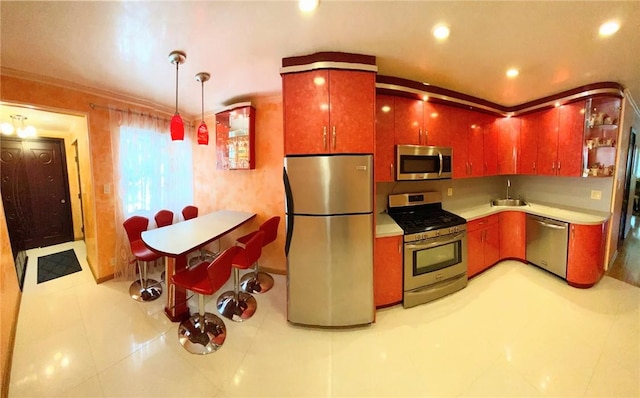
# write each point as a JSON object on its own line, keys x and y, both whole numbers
{"x": 440, "y": 158}
{"x": 431, "y": 242}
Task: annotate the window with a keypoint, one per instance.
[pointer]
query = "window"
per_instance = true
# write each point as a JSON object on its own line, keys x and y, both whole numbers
{"x": 155, "y": 172}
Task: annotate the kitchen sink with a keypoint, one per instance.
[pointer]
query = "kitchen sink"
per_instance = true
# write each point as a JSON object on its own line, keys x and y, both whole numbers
{"x": 508, "y": 202}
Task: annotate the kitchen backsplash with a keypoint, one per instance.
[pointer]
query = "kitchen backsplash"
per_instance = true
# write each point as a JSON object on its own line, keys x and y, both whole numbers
{"x": 470, "y": 192}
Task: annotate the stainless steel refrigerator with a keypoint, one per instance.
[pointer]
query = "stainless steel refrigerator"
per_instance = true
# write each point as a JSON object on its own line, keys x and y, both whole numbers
{"x": 329, "y": 244}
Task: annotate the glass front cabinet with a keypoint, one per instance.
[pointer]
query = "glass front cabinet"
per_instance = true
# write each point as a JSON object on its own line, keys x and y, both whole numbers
{"x": 235, "y": 137}
{"x": 602, "y": 116}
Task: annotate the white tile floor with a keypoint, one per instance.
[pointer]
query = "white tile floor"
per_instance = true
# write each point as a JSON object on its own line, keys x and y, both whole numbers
{"x": 514, "y": 331}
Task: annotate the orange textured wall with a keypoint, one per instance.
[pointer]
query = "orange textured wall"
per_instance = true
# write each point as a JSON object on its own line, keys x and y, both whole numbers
{"x": 9, "y": 304}
{"x": 260, "y": 191}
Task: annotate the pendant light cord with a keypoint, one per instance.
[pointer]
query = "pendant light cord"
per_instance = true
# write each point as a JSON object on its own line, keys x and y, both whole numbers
{"x": 202, "y": 96}
{"x": 177, "y": 65}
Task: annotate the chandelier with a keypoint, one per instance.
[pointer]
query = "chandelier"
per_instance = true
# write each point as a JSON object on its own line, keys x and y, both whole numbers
{"x": 22, "y": 130}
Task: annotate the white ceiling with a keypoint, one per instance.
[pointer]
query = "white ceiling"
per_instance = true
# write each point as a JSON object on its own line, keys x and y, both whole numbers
{"x": 123, "y": 46}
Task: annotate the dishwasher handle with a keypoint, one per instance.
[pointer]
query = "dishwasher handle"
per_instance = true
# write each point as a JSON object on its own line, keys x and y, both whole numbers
{"x": 553, "y": 226}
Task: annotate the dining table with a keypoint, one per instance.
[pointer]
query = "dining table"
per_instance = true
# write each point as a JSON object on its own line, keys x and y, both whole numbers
{"x": 177, "y": 240}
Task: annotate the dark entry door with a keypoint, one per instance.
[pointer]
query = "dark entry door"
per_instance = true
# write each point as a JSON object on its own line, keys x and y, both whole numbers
{"x": 35, "y": 191}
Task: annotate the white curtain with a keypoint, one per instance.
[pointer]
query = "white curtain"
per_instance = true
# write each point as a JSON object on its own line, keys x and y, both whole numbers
{"x": 151, "y": 173}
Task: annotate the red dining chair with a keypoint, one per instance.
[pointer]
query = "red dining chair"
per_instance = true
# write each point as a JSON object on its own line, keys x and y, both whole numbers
{"x": 163, "y": 218}
{"x": 258, "y": 281}
{"x": 203, "y": 333}
{"x": 144, "y": 289}
{"x": 234, "y": 304}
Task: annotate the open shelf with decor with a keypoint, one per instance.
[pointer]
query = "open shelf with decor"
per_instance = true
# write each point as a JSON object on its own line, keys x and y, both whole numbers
{"x": 600, "y": 134}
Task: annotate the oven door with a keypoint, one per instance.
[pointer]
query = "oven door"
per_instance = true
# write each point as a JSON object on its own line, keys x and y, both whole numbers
{"x": 433, "y": 260}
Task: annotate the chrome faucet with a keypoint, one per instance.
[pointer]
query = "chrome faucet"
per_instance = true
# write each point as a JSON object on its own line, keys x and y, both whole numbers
{"x": 508, "y": 186}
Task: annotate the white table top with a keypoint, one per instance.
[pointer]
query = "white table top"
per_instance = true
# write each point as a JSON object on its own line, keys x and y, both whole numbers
{"x": 185, "y": 236}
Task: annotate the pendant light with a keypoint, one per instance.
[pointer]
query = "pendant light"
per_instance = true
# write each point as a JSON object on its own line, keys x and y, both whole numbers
{"x": 177, "y": 126}
{"x": 203, "y": 131}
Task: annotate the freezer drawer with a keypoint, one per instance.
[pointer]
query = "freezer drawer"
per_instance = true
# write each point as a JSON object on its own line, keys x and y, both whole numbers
{"x": 547, "y": 241}
{"x": 330, "y": 270}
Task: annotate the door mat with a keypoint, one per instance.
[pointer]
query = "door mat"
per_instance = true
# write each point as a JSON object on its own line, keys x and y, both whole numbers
{"x": 56, "y": 265}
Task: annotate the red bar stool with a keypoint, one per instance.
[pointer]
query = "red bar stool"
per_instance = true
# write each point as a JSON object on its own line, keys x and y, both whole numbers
{"x": 258, "y": 281}
{"x": 163, "y": 218}
{"x": 144, "y": 289}
{"x": 234, "y": 304}
{"x": 189, "y": 212}
{"x": 204, "y": 332}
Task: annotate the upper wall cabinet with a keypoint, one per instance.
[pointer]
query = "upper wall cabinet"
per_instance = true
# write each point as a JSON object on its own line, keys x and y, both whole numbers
{"x": 508, "y": 138}
{"x": 235, "y": 137}
{"x": 600, "y": 134}
{"x": 385, "y": 153}
{"x": 419, "y": 122}
{"x": 327, "y": 110}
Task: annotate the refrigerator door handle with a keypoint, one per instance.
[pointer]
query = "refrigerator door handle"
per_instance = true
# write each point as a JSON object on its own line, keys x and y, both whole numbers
{"x": 289, "y": 213}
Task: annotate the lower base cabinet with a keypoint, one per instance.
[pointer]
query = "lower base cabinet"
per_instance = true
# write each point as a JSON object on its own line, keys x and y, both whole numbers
{"x": 387, "y": 271}
{"x": 513, "y": 239}
{"x": 483, "y": 244}
{"x": 585, "y": 259}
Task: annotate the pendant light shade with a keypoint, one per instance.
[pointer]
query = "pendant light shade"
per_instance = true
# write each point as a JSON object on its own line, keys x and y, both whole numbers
{"x": 203, "y": 131}
{"x": 177, "y": 126}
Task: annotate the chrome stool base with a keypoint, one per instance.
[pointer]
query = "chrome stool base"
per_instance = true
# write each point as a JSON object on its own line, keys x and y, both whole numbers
{"x": 237, "y": 309}
{"x": 202, "y": 334}
{"x": 249, "y": 283}
{"x": 149, "y": 292}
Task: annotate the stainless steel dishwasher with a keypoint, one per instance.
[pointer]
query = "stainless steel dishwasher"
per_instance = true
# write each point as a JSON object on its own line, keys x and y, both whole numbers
{"x": 547, "y": 241}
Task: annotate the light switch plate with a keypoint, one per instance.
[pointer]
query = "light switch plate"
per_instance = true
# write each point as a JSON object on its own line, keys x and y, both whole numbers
{"x": 449, "y": 191}
{"x": 597, "y": 195}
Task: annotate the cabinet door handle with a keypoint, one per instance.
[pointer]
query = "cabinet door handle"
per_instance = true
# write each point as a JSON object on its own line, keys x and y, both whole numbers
{"x": 558, "y": 166}
{"x": 534, "y": 167}
{"x": 573, "y": 232}
{"x": 426, "y": 136}
{"x": 399, "y": 245}
{"x": 553, "y": 166}
{"x": 419, "y": 136}
{"x": 333, "y": 134}
{"x": 391, "y": 170}
{"x": 324, "y": 137}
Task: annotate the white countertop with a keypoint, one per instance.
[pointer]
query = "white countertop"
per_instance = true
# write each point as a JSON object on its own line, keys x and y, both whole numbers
{"x": 180, "y": 238}
{"x": 385, "y": 226}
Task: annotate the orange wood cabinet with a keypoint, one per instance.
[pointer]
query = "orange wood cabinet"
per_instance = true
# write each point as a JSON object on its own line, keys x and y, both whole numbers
{"x": 508, "y": 132}
{"x": 420, "y": 122}
{"x": 513, "y": 235}
{"x": 529, "y": 130}
{"x": 546, "y": 124}
{"x": 570, "y": 139}
{"x": 585, "y": 260}
{"x": 387, "y": 271}
{"x": 385, "y": 152}
{"x": 469, "y": 132}
{"x": 329, "y": 111}
{"x": 483, "y": 244}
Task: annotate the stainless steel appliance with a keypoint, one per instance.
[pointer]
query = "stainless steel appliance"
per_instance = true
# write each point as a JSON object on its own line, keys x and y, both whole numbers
{"x": 329, "y": 243}
{"x": 435, "y": 247}
{"x": 420, "y": 162}
{"x": 547, "y": 241}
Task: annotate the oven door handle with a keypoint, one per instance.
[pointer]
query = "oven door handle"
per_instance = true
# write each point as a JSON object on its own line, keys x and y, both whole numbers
{"x": 431, "y": 242}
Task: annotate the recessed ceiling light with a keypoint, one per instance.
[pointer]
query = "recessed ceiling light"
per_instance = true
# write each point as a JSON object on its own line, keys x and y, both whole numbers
{"x": 308, "y": 5}
{"x": 441, "y": 32}
{"x": 513, "y": 72}
{"x": 608, "y": 28}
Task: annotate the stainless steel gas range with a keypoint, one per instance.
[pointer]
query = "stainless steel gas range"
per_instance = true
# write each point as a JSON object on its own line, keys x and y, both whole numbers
{"x": 435, "y": 246}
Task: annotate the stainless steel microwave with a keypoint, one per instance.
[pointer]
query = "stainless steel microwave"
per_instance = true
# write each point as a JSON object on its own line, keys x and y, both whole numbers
{"x": 420, "y": 162}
